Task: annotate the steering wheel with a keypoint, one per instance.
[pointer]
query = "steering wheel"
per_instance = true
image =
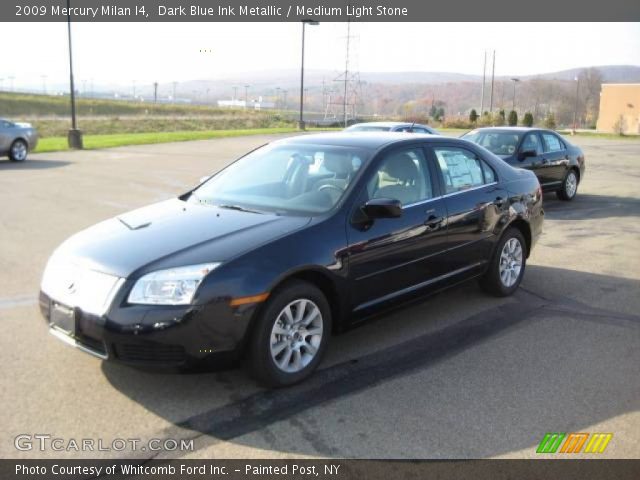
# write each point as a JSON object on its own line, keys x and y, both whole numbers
{"x": 327, "y": 186}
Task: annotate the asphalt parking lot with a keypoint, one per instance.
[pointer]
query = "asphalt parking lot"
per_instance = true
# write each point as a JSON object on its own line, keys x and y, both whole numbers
{"x": 461, "y": 375}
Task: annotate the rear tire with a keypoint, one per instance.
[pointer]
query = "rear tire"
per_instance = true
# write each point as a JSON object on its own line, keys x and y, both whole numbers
{"x": 290, "y": 336}
{"x": 569, "y": 187}
{"x": 507, "y": 265}
{"x": 18, "y": 151}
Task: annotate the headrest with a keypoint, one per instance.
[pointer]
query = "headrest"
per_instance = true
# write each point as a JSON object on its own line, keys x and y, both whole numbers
{"x": 338, "y": 163}
{"x": 402, "y": 167}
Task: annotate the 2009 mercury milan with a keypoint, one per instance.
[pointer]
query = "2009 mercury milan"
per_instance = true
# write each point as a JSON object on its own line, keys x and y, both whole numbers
{"x": 296, "y": 239}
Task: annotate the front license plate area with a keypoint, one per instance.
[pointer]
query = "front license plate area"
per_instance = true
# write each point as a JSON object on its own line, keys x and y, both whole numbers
{"x": 63, "y": 318}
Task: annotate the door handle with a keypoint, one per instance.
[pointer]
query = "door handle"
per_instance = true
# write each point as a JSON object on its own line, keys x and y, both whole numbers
{"x": 433, "y": 222}
{"x": 545, "y": 161}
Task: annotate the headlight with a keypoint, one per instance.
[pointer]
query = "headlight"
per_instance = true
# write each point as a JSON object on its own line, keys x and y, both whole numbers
{"x": 175, "y": 286}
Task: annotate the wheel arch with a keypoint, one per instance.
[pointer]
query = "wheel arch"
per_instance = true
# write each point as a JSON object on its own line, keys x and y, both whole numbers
{"x": 320, "y": 278}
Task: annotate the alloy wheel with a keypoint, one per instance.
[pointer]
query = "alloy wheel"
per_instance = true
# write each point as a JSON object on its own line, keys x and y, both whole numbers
{"x": 571, "y": 184}
{"x": 19, "y": 151}
{"x": 296, "y": 335}
{"x": 510, "y": 262}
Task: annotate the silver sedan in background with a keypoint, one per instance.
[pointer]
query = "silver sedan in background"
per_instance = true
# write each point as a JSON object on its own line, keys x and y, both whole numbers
{"x": 17, "y": 140}
{"x": 391, "y": 127}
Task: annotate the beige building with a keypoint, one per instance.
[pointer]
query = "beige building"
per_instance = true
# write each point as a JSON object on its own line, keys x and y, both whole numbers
{"x": 619, "y": 108}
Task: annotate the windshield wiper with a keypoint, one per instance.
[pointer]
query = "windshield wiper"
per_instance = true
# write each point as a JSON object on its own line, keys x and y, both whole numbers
{"x": 239, "y": 208}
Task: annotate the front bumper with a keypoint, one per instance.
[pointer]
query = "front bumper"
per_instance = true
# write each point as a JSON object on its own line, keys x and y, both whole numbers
{"x": 162, "y": 336}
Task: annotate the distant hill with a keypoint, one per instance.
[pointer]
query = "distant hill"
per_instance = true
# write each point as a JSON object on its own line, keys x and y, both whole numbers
{"x": 291, "y": 78}
{"x": 611, "y": 74}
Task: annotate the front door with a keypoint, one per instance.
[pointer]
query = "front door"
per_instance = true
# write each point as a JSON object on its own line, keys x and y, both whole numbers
{"x": 393, "y": 256}
{"x": 556, "y": 156}
{"x": 531, "y": 156}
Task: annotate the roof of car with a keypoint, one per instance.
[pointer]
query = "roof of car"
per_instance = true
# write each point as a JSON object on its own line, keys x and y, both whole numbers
{"x": 508, "y": 129}
{"x": 372, "y": 140}
{"x": 382, "y": 124}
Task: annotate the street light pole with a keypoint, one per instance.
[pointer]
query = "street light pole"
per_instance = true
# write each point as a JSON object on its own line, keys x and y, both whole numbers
{"x": 575, "y": 110}
{"x": 304, "y": 24}
{"x": 74, "y": 137}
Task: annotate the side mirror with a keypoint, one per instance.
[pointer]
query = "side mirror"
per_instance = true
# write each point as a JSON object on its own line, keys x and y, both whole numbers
{"x": 527, "y": 154}
{"x": 382, "y": 208}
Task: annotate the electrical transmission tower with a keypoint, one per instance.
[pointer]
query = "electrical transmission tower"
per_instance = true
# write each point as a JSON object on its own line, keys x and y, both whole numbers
{"x": 343, "y": 99}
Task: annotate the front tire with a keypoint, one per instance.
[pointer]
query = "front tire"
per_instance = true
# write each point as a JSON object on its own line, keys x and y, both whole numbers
{"x": 290, "y": 335}
{"x": 18, "y": 151}
{"x": 569, "y": 187}
{"x": 507, "y": 265}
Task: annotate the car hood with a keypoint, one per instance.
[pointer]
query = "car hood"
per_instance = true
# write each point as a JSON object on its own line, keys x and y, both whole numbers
{"x": 171, "y": 232}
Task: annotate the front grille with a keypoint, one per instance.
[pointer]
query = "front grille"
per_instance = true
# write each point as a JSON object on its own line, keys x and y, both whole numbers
{"x": 150, "y": 352}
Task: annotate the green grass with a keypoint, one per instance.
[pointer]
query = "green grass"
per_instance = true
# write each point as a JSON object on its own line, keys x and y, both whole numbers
{"x": 52, "y": 144}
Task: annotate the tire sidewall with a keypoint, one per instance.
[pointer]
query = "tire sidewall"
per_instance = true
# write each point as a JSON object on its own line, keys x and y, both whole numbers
{"x": 262, "y": 363}
{"x": 14, "y": 159}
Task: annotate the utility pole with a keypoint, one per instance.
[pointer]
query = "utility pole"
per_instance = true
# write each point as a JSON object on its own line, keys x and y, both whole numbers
{"x": 235, "y": 93}
{"x": 134, "y": 88}
{"x": 484, "y": 72}
{"x": 304, "y": 24}
{"x": 246, "y": 96}
{"x": 74, "y": 137}
{"x": 284, "y": 93}
{"x": 493, "y": 76}
{"x": 346, "y": 75}
{"x": 155, "y": 92}
{"x": 44, "y": 84}
{"x": 575, "y": 110}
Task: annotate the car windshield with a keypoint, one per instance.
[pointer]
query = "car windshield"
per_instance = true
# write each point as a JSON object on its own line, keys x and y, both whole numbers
{"x": 500, "y": 143}
{"x": 368, "y": 128}
{"x": 285, "y": 179}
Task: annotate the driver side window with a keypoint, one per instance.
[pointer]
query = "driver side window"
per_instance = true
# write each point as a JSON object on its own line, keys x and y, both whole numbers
{"x": 402, "y": 175}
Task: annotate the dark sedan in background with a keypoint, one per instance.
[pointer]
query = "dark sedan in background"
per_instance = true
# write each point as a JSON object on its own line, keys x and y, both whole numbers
{"x": 558, "y": 164}
{"x": 270, "y": 255}
{"x": 17, "y": 140}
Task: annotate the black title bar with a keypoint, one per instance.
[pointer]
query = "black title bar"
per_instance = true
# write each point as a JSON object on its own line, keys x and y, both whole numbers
{"x": 325, "y": 10}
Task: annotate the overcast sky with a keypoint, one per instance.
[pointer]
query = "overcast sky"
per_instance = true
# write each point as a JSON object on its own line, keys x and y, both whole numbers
{"x": 118, "y": 53}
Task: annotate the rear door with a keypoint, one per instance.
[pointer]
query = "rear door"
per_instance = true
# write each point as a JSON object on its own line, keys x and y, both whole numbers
{"x": 475, "y": 202}
{"x": 390, "y": 257}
